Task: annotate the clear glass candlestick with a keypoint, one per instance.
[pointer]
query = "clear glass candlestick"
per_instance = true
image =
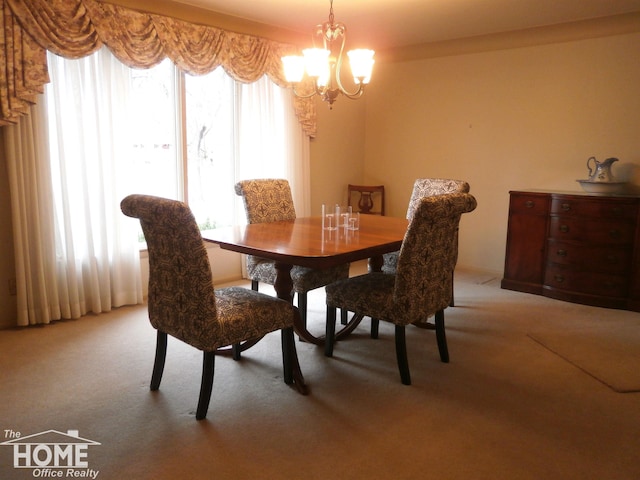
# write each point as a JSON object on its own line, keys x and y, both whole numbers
{"x": 353, "y": 221}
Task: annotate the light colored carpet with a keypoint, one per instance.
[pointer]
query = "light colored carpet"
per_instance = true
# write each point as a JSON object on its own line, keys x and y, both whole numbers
{"x": 505, "y": 407}
{"x": 606, "y": 349}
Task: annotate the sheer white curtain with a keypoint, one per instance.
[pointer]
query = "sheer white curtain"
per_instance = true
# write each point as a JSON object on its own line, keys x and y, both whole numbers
{"x": 298, "y": 159}
{"x": 32, "y": 218}
{"x": 75, "y": 251}
{"x": 270, "y": 140}
{"x": 70, "y": 164}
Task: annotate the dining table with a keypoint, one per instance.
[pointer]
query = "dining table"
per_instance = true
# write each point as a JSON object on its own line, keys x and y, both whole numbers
{"x": 306, "y": 242}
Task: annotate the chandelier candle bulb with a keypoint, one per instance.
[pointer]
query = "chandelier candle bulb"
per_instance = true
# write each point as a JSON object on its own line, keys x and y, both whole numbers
{"x": 316, "y": 61}
{"x": 293, "y": 68}
{"x": 361, "y": 61}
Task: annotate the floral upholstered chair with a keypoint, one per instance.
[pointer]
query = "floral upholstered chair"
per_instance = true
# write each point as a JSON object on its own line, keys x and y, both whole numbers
{"x": 425, "y": 187}
{"x": 270, "y": 200}
{"x": 421, "y": 285}
{"x": 182, "y": 301}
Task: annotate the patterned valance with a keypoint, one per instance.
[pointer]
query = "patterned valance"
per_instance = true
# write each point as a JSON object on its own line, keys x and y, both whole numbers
{"x": 76, "y": 28}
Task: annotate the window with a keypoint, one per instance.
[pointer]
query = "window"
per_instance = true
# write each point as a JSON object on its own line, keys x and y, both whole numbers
{"x": 183, "y": 137}
{"x": 210, "y": 138}
{"x": 155, "y": 153}
{"x": 233, "y": 131}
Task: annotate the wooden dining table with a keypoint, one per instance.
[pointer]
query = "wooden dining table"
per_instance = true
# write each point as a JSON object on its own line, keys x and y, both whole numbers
{"x": 305, "y": 242}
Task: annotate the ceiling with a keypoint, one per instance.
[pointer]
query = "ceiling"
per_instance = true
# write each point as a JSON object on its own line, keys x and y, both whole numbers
{"x": 382, "y": 24}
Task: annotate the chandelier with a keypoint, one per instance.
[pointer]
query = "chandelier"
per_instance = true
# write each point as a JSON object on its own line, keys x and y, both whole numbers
{"x": 323, "y": 65}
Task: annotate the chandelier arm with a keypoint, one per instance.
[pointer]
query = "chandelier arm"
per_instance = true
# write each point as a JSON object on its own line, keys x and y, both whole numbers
{"x": 339, "y": 62}
{"x": 355, "y": 95}
{"x": 360, "y": 90}
{"x": 315, "y": 91}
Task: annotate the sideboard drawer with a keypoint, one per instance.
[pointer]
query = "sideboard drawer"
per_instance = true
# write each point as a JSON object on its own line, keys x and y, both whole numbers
{"x": 590, "y": 258}
{"x": 530, "y": 204}
{"x": 592, "y": 230}
{"x": 601, "y": 284}
{"x": 597, "y": 208}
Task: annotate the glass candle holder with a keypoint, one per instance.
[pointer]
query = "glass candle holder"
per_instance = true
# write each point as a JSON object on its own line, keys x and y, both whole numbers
{"x": 353, "y": 221}
{"x": 330, "y": 218}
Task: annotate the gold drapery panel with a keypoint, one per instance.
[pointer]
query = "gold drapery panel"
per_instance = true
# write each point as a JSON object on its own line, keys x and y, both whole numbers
{"x": 76, "y": 28}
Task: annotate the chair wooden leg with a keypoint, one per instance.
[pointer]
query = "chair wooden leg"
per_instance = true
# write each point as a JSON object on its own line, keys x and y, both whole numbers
{"x": 208, "y": 365}
{"x": 254, "y": 285}
{"x": 401, "y": 354}
{"x": 344, "y": 316}
{"x": 302, "y": 307}
{"x": 452, "y": 303}
{"x": 441, "y": 337}
{"x": 158, "y": 364}
{"x": 236, "y": 351}
{"x": 330, "y": 333}
{"x": 288, "y": 354}
{"x": 375, "y": 324}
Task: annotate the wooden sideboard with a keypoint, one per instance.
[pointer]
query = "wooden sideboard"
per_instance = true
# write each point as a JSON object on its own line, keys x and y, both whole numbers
{"x": 573, "y": 246}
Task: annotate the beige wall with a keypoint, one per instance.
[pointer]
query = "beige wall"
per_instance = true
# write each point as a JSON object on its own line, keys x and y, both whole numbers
{"x": 337, "y": 152}
{"x": 502, "y": 120}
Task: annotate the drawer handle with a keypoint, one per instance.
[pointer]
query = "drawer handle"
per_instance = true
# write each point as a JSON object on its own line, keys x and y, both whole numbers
{"x": 564, "y": 228}
{"x": 559, "y": 278}
{"x": 529, "y": 204}
{"x": 614, "y": 233}
{"x": 562, "y": 253}
{"x": 565, "y": 207}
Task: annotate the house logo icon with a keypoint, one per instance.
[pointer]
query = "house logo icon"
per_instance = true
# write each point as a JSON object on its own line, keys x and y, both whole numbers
{"x": 50, "y": 452}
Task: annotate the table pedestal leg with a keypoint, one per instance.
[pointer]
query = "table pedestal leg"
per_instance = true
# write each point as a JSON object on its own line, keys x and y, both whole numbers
{"x": 375, "y": 263}
{"x": 284, "y": 284}
{"x": 284, "y": 289}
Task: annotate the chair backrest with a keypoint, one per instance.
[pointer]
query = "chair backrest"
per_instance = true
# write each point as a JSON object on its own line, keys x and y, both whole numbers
{"x": 365, "y": 198}
{"x": 266, "y": 200}
{"x": 181, "y": 295}
{"x": 428, "y": 255}
{"x": 427, "y": 187}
